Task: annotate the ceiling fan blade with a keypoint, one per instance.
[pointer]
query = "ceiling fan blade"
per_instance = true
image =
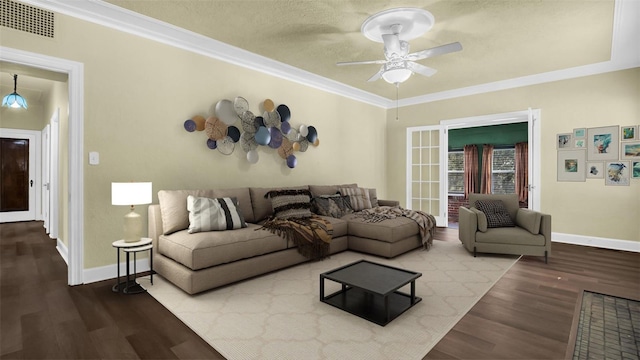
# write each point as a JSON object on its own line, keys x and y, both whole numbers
{"x": 377, "y": 75}
{"x": 420, "y": 69}
{"x": 438, "y": 50}
{"x": 361, "y": 62}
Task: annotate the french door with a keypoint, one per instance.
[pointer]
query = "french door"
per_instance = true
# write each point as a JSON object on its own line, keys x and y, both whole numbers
{"x": 425, "y": 186}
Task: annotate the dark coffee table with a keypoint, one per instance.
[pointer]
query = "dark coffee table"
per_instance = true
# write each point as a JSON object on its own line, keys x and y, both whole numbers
{"x": 370, "y": 290}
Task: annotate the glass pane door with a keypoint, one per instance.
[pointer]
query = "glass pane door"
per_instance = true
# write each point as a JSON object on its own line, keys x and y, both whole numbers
{"x": 424, "y": 185}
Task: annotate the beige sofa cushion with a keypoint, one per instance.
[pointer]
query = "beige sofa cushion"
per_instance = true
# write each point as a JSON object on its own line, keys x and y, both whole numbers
{"x": 173, "y": 207}
{"x": 529, "y": 220}
{"x": 244, "y": 200}
{"x": 390, "y": 230}
{"x": 205, "y": 249}
{"x": 511, "y": 236}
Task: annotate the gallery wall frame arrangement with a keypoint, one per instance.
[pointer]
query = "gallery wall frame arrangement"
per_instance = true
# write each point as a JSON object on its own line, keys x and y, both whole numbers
{"x": 232, "y": 122}
{"x": 611, "y": 153}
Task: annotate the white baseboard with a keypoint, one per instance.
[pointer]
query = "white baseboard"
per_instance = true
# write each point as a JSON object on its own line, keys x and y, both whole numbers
{"x": 111, "y": 271}
{"x": 62, "y": 250}
{"x": 614, "y": 244}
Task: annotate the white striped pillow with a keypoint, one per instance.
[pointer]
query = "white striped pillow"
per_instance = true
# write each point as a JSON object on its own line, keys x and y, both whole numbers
{"x": 206, "y": 214}
{"x": 359, "y": 198}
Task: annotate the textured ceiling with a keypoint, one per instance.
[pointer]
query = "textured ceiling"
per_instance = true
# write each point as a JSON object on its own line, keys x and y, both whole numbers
{"x": 501, "y": 39}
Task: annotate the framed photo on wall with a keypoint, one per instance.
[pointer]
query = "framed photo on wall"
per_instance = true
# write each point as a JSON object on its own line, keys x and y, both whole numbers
{"x": 635, "y": 169}
{"x": 617, "y": 173}
{"x": 571, "y": 165}
{"x": 595, "y": 170}
{"x": 579, "y": 133}
{"x": 563, "y": 141}
{"x": 629, "y": 133}
{"x": 602, "y": 143}
{"x": 579, "y": 143}
{"x": 630, "y": 150}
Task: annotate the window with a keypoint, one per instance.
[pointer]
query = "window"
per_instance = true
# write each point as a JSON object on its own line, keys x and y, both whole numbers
{"x": 503, "y": 171}
{"x": 456, "y": 172}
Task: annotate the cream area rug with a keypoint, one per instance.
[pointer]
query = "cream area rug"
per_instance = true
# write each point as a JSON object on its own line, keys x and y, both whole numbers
{"x": 280, "y": 316}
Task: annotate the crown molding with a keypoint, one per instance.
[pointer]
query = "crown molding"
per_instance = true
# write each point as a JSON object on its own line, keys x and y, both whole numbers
{"x": 625, "y": 51}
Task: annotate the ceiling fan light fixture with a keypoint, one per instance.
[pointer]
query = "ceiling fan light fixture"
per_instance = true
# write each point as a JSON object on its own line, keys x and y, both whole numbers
{"x": 396, "y": 76}
{"x": 14, "y": 100}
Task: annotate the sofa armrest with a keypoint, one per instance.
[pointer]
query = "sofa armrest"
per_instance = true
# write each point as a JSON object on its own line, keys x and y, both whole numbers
{"x": 155, "y": 223}
{"x": 467, "y": 227}
{"x": 388, "y": 202}
{"x": 545, "y": 229}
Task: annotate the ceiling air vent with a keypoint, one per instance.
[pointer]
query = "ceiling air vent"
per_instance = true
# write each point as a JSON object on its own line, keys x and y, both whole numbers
{"x": 27, "y": 18}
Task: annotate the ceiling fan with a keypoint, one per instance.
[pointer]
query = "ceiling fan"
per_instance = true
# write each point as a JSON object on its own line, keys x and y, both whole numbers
{"x": 394, "y": 28}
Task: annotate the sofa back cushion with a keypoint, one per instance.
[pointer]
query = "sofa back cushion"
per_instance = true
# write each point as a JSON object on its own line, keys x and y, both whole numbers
{"x": 173, "y": 207}
{"x": 262, "y": 206}
{"x": 244, "y": 200}
{"x": 319, "y": 190}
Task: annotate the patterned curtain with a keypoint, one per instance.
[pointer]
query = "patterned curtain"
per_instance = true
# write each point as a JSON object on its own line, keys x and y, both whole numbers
{"x": 470, "y": 170}
{"x": 522, "y": 171}
{"x": 487, "y": 161}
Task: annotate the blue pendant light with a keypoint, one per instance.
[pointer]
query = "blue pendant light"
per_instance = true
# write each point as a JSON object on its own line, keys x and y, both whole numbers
{"x": 14, "y": 100}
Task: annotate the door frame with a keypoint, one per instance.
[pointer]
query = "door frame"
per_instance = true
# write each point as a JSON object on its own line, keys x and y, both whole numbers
{"x": 75, "y": 150}
{"x": 532, "y": 117}
{"x": 34, "y": 175}
{"x": 45, "y": 187}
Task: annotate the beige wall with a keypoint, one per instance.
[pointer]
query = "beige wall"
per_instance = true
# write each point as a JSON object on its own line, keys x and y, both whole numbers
{"x": 581, "y": 208}
{"x": 138, "y": 94}
{"x": 30, "y": 119}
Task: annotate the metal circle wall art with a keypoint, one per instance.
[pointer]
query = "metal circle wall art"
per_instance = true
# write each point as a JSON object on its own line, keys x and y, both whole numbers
{"x": 233, "y": 122}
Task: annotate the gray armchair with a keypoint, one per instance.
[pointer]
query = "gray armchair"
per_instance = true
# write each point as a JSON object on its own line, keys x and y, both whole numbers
{"x": 531, "y": 234}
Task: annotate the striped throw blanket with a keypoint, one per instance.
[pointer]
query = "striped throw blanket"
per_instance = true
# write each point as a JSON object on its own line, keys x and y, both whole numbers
{"x": 426, "y": 222}
{"x": 312, "y": 235}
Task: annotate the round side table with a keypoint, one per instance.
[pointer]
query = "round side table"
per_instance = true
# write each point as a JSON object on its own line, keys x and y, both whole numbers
{"x": 131, "y": 286}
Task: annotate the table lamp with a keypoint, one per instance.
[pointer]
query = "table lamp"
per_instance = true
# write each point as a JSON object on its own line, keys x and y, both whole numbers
{"x": 131, "y": 193}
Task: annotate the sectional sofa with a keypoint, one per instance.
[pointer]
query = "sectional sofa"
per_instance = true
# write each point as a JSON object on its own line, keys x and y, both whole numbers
{"x": 197, "y": 262}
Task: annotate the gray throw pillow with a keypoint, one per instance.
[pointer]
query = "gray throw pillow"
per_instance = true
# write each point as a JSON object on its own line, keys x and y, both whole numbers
{"x": 496, "y": 213}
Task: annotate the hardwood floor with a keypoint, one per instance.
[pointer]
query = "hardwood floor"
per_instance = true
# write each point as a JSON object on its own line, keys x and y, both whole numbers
{"x": 527, "y": 314}
{"x": 43, "y": 318}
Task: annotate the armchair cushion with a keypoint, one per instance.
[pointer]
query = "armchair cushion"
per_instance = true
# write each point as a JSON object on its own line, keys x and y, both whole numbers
{"x": 529, "y": 220}
{"x": 496, "y": 213}
{"x": 482, "y": 219}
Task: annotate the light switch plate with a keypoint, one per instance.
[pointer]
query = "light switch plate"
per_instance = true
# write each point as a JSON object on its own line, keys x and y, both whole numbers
{"x": 94, "y": 158}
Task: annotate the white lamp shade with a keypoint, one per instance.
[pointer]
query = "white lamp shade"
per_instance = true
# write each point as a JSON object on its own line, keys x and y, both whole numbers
{"x": 131, "y": 193}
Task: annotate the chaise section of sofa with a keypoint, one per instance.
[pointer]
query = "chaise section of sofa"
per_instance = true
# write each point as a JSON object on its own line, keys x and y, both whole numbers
{"x": 197, "y": 262}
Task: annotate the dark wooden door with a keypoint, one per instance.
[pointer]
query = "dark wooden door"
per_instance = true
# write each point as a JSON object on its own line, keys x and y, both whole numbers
{"x": 14, "y": 178}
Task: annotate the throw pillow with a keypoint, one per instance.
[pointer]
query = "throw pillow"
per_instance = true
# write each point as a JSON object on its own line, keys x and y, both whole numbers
{"x": 496, "y": 213}
{"x": 529, "y": 220}
{"x": 331, "y": 205}
{"x": 207, "y": 214}
{"x": 373, "y": 196}
{"x": 290, "y": 203}
{"x": 327, "y": 206}
{"x": 358, "y": 197}
{"x": 482, "y": 219}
